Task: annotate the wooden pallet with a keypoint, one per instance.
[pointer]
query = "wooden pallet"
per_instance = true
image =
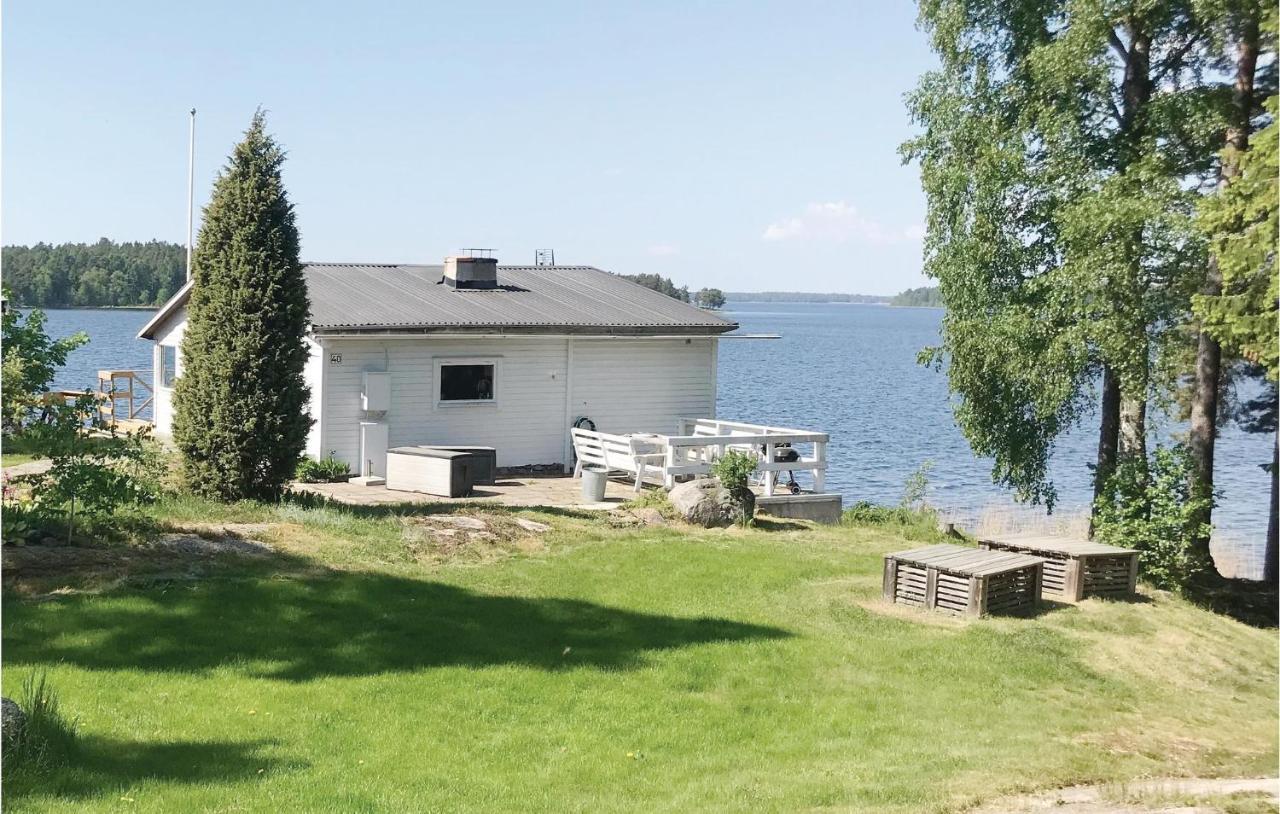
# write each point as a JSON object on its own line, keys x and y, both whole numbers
{"x": 1076, "y": 569}
{"x": 963, "y": 581}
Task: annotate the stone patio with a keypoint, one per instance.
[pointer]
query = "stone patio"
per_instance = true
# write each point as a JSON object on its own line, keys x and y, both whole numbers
{"x": 561, "y": 491}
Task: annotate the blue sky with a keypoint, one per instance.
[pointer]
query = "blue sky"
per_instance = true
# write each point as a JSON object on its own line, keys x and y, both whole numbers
{"x": 741, "y": 145}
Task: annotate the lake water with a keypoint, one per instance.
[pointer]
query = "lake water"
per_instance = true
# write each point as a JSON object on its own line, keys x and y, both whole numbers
{"x": 848, "y": 370}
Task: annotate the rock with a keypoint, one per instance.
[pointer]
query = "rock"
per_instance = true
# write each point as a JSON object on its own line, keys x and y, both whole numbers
{"x": 532, "y": 525}
{"x": 12, "y": 721}
{"x": 195, "y": 545}
{"x": 459, "y": 520}
{"x": 649, "y": 516}
{"x": 706, "y": 502}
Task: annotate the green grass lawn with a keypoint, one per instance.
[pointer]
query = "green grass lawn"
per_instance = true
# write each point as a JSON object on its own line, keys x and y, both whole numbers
{"x": 611, "y": 670}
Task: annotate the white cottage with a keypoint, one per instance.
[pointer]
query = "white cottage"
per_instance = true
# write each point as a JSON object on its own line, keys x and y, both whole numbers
{"x": 473, "y": 353}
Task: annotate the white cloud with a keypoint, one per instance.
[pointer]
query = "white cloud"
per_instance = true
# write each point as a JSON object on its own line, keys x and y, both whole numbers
{"x": 839, "y": 222}
{"x": 663, "y": 250}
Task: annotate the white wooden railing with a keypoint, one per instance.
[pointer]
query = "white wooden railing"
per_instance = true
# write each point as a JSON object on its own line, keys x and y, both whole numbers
{"x": 700, "y": 441}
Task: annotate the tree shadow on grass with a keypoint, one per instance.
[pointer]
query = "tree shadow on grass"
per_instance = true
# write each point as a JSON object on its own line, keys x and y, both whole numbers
{"x": 101, "y": 765}
{"x": 343, "y": 624}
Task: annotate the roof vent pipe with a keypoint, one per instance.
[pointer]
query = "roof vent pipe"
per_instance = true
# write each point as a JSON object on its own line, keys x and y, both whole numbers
{"x": 471, "y": 271}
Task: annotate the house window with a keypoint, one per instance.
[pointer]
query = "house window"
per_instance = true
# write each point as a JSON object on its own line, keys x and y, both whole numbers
{"x": 470, "y": 380}
{"x": 168, "y": 365}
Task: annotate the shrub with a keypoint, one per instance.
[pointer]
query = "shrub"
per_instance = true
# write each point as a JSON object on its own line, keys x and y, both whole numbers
{"x": 30, "y": 360}
{"x": 913, "y": 517}
{"x": 916, "y": 489}
{"x": 1149, "y": 506}
{"x": 327, "y": 470}
{"x": 47, "y": 739}
{"x": 90, "y": 478}
{"x": 733, "y": 470}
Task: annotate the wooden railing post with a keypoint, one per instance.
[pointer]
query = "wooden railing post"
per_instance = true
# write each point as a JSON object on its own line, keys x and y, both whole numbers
{"x": 770, "y": 476}
{"x": 820, "y": 472}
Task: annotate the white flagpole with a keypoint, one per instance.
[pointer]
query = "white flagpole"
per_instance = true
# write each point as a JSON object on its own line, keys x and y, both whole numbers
{"x": 191, "y": 187}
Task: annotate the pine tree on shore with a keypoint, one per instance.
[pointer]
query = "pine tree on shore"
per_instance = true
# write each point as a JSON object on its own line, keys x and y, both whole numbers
{"x": 240, "y": 419}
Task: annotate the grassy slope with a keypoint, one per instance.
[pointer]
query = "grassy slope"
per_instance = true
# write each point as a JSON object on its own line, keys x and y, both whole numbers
{"x": 617, "y": 671}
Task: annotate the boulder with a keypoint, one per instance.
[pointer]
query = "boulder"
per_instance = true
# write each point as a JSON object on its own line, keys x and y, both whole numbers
{"x": 12, "y": 721}
{"x": 649, "y": 516}
{"x": 708, "y": 503}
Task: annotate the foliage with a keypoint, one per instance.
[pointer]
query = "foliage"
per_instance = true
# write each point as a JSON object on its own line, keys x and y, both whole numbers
{"x": 30, "y": 360}
{"x": 89, "y": 480}
{"x": 710, "y": 298}
{"x": 1242, "y": 223}
{"x": 239, "y": 407}
{"x": 734, "y": 470}
{"x": 927, "y": 296}
{"x": 1153, "y": 509}
{"x": 47, "y": 739}
{"x": 1063, "y": 148}
{"x": 916, "y": 489}
{"x": 653, "y": 499}
{"x": 913, "y": 517}
{"x": 94, "y": 274}
{"x": 326, "y": 470}
{"x": 662, "y": 285}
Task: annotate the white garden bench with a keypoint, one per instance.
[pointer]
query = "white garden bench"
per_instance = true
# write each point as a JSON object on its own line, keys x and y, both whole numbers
{"x": 618, "y": 453}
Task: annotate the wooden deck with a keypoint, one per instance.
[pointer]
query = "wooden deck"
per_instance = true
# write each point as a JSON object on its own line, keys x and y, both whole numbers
{"x": 961, "y": 580}
{"x": 1076, "y": 569}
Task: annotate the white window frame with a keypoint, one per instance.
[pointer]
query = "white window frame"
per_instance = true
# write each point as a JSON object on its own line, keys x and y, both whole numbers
{"x": 436, "y": 380}
{"x": 160, "y": 366}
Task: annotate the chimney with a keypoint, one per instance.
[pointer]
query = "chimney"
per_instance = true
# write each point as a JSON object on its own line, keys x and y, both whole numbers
{"x": 471, "y": 271}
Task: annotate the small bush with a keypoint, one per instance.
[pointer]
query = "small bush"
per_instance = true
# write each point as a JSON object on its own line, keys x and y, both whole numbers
{"x": 327, "y": 470}
{"x": 48, "y": 738}
{"x": 91, "y": 481}
{"x": 734, "y": 469}
{"x": 1149, "y": 506}
{"x": 913, "y": 517}
{"x": 654, "y": 499}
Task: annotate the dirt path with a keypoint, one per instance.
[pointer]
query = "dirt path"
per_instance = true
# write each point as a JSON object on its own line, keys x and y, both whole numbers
{"x": 29, "y": 468}
{"x": 1167, "y": 796}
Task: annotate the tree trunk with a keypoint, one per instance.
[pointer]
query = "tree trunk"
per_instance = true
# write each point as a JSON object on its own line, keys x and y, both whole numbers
{"x": 1108, "y": 436}
{"x": 1208, "y": 372}
{"x": 1269, "y": 563}
{"x": 1133, "y": 424}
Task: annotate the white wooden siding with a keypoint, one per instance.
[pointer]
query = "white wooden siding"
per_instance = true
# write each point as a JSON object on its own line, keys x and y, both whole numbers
{"x": 313, "y": 375}
{"x": 526, "y": 424}
{"x": 643, "y": 385}
{"x": 170, "y": 333}
{"x": 623, "y": 385}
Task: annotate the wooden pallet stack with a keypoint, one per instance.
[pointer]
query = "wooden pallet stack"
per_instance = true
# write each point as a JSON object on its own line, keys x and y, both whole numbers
{"x": 964, "y": 581}
{"x": 1076, "y": 569}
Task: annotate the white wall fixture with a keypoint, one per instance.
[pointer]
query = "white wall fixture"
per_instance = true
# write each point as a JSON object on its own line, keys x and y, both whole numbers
{"x": 375, "y": 395}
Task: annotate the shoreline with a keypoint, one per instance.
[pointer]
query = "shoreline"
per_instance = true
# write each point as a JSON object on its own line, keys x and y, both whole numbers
{"x": 90, "y": 307}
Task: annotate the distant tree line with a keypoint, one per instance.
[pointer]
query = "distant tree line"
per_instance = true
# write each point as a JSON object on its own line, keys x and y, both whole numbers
{"x": 663, "y": 285}
{"x": 926, "y": 296}
{"x": 99, "y": 274}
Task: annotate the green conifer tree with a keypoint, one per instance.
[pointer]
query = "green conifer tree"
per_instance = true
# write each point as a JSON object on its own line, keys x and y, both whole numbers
{"x": 240, "y": 417}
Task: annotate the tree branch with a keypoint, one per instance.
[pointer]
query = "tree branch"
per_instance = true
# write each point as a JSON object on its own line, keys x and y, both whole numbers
{"x": 1114, "y": 39}
{"x": 1175, "y": 59}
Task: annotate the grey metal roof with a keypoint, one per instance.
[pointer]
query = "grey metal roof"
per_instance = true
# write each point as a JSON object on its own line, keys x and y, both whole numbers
{"x": 348, "y": 297}
{"x": 374, "y": 298}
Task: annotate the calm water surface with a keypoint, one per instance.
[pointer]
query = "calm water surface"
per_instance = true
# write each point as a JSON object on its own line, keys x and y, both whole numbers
{"x": 848, "y": 370}
{"x": 851, "y": 370}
